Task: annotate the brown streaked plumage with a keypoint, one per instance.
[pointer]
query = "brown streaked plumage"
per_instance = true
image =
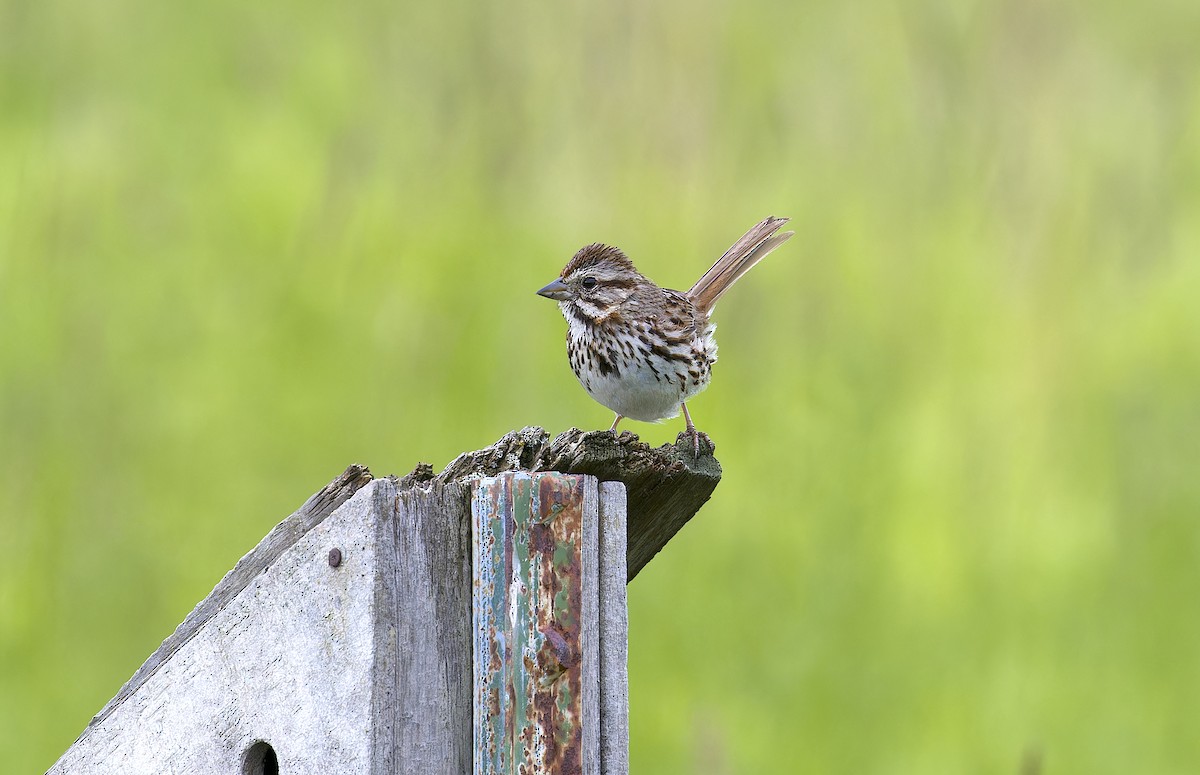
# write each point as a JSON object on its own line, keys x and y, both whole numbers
{"x": 641, "y": 350}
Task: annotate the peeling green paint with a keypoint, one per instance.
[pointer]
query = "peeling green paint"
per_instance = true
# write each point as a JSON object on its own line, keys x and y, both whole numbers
{"x": 528, "y": 649}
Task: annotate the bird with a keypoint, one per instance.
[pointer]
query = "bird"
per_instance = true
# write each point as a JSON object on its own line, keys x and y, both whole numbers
{"x": 641, "y": 350}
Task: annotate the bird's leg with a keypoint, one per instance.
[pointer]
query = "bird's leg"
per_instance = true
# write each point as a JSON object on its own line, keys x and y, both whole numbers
{"x": 691, "y": 427}
{"x": 615, "y": 421}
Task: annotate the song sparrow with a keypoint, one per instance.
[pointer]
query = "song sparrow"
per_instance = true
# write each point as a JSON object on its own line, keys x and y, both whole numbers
{"x": 641, "y": 350}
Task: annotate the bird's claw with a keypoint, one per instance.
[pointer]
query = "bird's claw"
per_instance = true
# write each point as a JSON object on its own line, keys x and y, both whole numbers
{"x": 695, "y": 436}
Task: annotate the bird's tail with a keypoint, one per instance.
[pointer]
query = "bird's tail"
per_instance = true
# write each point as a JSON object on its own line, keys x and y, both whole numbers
{"x": 745, "y": 253}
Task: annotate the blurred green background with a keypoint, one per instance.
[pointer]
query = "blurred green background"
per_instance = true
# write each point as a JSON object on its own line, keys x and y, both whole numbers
{"x": 243, "y": 245}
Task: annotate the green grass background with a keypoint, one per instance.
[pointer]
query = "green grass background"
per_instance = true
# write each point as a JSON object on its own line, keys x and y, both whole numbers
{"x": 245, "y": 244}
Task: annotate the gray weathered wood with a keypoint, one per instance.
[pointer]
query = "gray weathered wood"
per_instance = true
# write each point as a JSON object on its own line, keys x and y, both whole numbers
{"x": 590, "y": 624}
{"x": 288, "y": 658}
{"x": 665, "y": 487}
{"x": 426, "y": 700}
{"x": 354, "y": 668}
{"x": 613, "y": 623}
{"x": 280, "y": 539}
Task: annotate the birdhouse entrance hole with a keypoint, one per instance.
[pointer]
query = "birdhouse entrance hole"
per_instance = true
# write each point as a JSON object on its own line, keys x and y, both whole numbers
{"x": 260, "y": 760}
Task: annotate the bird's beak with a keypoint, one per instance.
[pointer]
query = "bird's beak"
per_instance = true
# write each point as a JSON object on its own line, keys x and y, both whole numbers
{"x": 556, "y": 290}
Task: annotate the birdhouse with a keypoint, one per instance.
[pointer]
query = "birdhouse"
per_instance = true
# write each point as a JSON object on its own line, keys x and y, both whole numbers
{"x": 473, "y": 621}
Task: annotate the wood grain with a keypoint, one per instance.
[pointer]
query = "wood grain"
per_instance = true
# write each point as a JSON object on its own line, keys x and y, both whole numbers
{"x": 665, "y": 486}
{"x": 426, "y": 699}
{"x": 280, "y": 539}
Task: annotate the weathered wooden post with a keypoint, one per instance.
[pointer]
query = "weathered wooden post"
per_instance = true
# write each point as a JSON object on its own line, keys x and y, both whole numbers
{"x": 365, "y": 634}
{"x": 537, "y": 649}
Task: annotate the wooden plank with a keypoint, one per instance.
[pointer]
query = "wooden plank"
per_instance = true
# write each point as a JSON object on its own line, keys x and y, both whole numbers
{"x": 358, "y": 664}
{"x": 613, "y": 623}
{"x": 535, "y": 669}
{"x": 590, "y": 628}
{"x": 423, "y": 684}
{"x": 287, "y": 665}
{"x": 280, "y": 539}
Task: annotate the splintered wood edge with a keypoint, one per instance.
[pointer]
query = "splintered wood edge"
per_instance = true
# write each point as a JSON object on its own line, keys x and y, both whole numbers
{"x": 665, "y": 486}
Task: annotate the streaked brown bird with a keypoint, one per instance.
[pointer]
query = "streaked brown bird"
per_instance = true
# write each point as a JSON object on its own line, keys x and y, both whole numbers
{"x": 641, "y": 350}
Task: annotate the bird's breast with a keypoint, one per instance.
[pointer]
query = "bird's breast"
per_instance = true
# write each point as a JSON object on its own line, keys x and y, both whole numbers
{"x": 637, "y": 372}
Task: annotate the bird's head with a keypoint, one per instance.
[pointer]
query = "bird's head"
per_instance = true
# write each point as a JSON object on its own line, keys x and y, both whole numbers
{"x": 597, "y": 280}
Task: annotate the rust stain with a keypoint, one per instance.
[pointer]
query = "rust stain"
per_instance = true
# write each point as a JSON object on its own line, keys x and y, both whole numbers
{"x": 528, "y": 598}
{"x": 557, "y": 705}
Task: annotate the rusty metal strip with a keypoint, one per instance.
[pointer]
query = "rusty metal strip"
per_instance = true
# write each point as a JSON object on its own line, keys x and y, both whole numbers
{"x": 528, "y": 610}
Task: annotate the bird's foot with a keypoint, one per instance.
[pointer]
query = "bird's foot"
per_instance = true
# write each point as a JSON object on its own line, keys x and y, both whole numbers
{"x": 692, "y": 438}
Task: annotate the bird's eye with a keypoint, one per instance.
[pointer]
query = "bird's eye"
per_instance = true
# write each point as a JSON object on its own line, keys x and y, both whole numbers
{"x": 589, "y": 282}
